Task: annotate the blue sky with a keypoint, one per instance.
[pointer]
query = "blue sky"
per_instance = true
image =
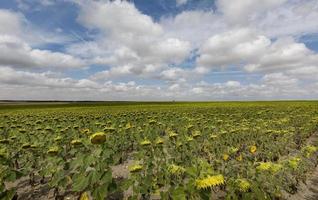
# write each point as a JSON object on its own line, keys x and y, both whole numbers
{"x": 158, "y": 50}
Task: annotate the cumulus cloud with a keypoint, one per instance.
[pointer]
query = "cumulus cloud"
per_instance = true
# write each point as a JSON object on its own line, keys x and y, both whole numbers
{"x": 173, "y": 54}
{"x": 241, "y": 11}
{"x": 256, "y": 53}
{"x": 129, "y": 39}
{"x": 17, "y": 53}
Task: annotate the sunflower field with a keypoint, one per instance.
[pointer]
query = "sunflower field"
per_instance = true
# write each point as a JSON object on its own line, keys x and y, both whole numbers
{"x": 233, "y": 150}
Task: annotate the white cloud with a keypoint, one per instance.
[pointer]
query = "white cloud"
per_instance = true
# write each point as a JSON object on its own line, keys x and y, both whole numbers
{"x": 254, "y": 52}
{"x": 181, "y": 2}
{"x": 240, "y": 11}
{"x": 129, "y": 39}
{"x": 193, "y": 26}
{"x": 17, "y": 53}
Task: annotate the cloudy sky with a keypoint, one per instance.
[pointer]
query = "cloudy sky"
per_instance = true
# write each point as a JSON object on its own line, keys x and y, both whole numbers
{"x": 158, "y": 49}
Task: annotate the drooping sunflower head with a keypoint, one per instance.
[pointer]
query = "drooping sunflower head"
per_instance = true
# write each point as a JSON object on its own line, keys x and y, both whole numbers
{"x": 269, "y": 166}
{"x": 159, "y": 141}
{"x": 239, "y": 158}
{"x": 309, "y": 150}
{"x": 209, "y": 182}
{"x": 243, "y": 185}
{"x": 53, "y": 151}
{"x": 84, "y": 196}
{"x": 26, "y": 146}
{"x": 135, "y": 168}
{"x": 58, "y": 138}
{"x": 145, "y": 142}
{"x": 196, "y": 134}
{"x": 76, "y": 142}
{"x": 172, "y": 134}
{"x": 294, "y": 162}
{"x": 253, "y": 149}
{"x": 189, "y": 139}
{"x": 213, "y": 136}
{"x": 225, "y": 157}
{"x": 176, "y": 169}
{"x": 264, "y": 166}
{"x": 98, "y": 138}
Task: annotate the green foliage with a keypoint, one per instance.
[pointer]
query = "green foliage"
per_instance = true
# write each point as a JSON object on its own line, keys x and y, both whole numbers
{"x": 258, "y": 148}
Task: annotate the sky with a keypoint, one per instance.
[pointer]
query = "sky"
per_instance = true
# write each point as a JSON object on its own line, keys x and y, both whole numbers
{"x": 158, "y": 50}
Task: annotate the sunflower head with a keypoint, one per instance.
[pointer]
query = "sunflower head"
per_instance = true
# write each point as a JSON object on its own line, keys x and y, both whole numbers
{"x": 145, "y": 142}
{"x": 26, "y": 146}
{"x": 269, "y": 166}
{"x": 294, "y": 162}
{"x": 253, "y": 149}
{"x": 135, "y": 168}
{"x": 4, "y": 141}
{"x": 172, "y": 134}
{"x": 189, "y": 139}
{"x": 84, "y": 196}
{"x": 243, "y": 185}
{"x": 309, "y": 150}
{"x": 239, "y": 158}
{"x": 213, "y": 136}
{"x": 58, "y": 138}
{"x": 225, "y": 157}
{"x": 159, "y": 141}
{"x": 76, "y": 142}
{"x": 264, "y": 166}
{"x": 209, "y": 182}
{"x": 176, "y": 169}
{"x": 98, "y": 138}
{"x": 53, "y": 151}
{"x": 196, "y": 134}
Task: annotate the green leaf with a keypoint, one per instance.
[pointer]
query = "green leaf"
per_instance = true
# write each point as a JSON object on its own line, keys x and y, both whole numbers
{"x": 178, "y": 194}
{"x": 94, "y": 177}
{"x": 80, "y": 183}
{"x": 106, "y": 178}
{"x": 100, "y": 192}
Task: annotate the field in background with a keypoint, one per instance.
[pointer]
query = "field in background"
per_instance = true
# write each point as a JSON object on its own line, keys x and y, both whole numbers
{"x": 157, "y": 150}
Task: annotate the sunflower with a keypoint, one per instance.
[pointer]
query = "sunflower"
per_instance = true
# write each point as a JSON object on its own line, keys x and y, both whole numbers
{"x": 58, "y": 138}
{"x": 53, "y": 151}
{"x": 213, "y": 136}
{"x": 309, "y": 150}
{"x": 98, "y": 138}
{"x": 26, "y": 146}
{"x": 269, "y": 166}
{"x": 239, "y": 158}
{"x": 196, "y": 134}
{"x": 135, "y": 168}
{"x": 253, "y": 149}
{"x": 225, "y": 157}
{"x": 209, "y": 182}
{"x": 159, "y": 141}
{"x": 264, "y": 166}
{"x": 4, "y": 141}
{"x": 172, "y": 134}
{"x": 84, "y": 196}
{"x": 243, "y": 185}
{"x": 145, "y": 142}
{"x": 293, "y": 162}
{"x": 76, "y": 142}
{"x": 175, "y": 169}
{"x": 189, "y": 139}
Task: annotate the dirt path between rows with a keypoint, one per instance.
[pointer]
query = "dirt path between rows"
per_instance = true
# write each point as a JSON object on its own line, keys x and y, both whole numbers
{"x": 309, "y": 189}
